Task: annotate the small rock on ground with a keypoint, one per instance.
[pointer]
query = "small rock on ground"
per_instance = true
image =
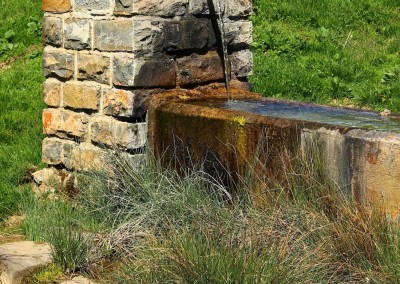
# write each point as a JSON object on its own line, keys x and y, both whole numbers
{"x": 18, "y": 259}
{"x": 79, "y": 280}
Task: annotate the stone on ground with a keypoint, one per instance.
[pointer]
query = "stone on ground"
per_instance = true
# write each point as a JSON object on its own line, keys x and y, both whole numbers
{"x": 79, "y": 280}
{"x": 18, "y": 259}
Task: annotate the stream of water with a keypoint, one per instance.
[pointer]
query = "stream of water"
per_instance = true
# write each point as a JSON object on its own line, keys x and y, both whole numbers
{"x": 314, "y": 113}
{"x": 221, "y": 26}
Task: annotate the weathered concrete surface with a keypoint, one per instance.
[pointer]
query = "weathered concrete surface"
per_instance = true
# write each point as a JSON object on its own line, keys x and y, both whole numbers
{"x": 18, "y": 259}
{"x": 363, "y": 163}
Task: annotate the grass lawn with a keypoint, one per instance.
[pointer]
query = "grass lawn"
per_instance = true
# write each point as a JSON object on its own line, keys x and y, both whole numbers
{"x": 20, "y": 26}
{"x": 328, "y": 51}
{"x": 20, "y": 127}
{"x": 20, "y": 97}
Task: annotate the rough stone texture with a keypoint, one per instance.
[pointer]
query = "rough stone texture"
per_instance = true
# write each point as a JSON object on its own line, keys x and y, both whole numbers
{"x": 121, "y": 103}
{"x": 52, "y": 92}
{"x": 58, "y": 64}
{"x": 199, "y": 7}
{"x": 123, "y": 70}
{"x": 81, "y": 96}
{"x": 239, "y": 34}
{"x": 56, "y": 6}
{"x": 52, "y": 31}
{"x": 87, "y": 157}
{"x": 144, "y": 72}
{"x": 148, "y": 36}
{"x": 229, "y": 8}
{"x": 113, "y": 35}
{"x": 108, "y": 131}
{"x": 77, "y": 34}
{"x": 48, "y": 180}
{"x": 47, "y": 176}
{"x": 96, "y": 6}
{"x": 105, "y": 59}
{"x": 155, "y": 72}
{"x": 241, "y": 63}
{"x": 237, "y": 8}
{"x": 189, "y": 33}
{"x": 123, "y": 7}
{"x": 166, "y": 8}
{"x": 56, "y": 151}
{"x": 18, "y": 259}
{"x": 94, "y": 67}
{"x": 196, "y": 69}
{"x": 64, "y": 123}
{"x": 79, "y": 280}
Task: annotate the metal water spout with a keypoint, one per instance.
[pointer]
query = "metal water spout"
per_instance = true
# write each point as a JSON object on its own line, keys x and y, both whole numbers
{"x": 221, "y": 26}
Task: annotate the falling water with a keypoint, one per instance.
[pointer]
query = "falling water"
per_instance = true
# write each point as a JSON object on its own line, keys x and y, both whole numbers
{"x": 221, "y": 26}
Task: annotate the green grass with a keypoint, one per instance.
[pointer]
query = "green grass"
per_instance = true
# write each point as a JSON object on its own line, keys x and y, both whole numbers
{"x": 20, "y": 97}
{"x": 20, "y": 26}
{"x": 20, "y": 127}
{"x": 328, "y": 51}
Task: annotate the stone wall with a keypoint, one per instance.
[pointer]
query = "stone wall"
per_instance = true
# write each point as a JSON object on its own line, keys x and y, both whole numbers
{"x": 104, "y": 59}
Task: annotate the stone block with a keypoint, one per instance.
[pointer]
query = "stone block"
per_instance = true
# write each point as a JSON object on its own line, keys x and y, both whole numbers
{"x": 58, "y": 64}
{"x": 239, "y": 34}
{"x": 241, "y": 63}
{"x": 155, "y": 72}
{"x": 148, "y": 36}
{"x": 52, "y": 31}
{"x": 123, "y": 7}
{"x": 229, "y": 8}
{"x": 114, "y": 133}
{"x": 239, "y": 8}
{"x": 94, "y": 67}
{"x": 77, "y": 34}
{"x": 64, "y": 123}
{"x": 199, "y": 7}
{"x": 124, "y": 69}
{"x": 144, "y": 72}
{"x": 118, "y": 103}
{"x": 56, "y": 6}
{"x": 56, "y": 151}
{"x": 122, "y": 103}
{"x": 197, "y": 69}
{"x": 93, "y": 6}
{"x": 189, "y": 34}
{"x": 81, "y": 96}
{"x": 114, "y": 35}
{"x": 164, "y": 8}
{"x": 87, "y": 157}
{"x": 19, "y": 259}
{"x": 47, "y": 176}
{"x": 52, "y": 92}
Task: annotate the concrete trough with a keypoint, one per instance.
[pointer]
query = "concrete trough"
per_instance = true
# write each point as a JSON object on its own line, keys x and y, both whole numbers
{"x": 360, "y": 149}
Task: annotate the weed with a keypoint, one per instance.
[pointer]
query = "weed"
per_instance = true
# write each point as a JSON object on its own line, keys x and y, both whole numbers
{"x": 59, "y": 223}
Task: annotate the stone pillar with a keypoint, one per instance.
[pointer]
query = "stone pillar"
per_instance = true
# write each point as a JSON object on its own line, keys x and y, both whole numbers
{"x": 104, "y": 59}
